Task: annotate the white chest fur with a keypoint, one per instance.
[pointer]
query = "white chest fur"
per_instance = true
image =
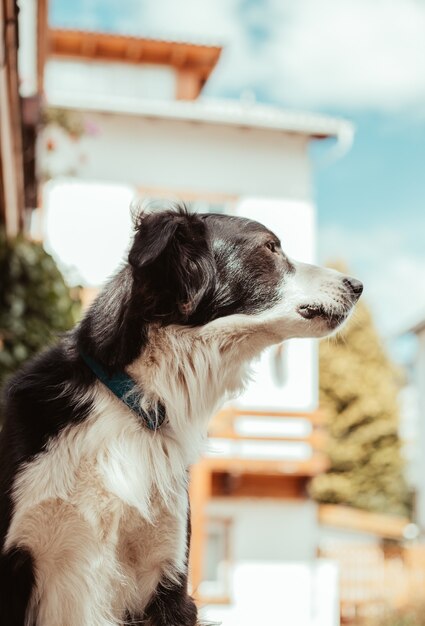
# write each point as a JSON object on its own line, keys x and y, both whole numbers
{"x": 104, "y": 513}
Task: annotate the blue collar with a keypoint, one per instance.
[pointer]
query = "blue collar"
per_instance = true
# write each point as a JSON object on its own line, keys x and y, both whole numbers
{"x": 125, "y": 389}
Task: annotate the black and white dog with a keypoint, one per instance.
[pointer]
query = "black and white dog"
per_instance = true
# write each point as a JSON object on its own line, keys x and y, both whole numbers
{"x": 102, "y": 428}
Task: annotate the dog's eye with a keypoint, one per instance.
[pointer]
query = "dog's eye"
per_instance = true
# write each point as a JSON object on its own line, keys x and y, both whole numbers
{"x": 272, "y": 246}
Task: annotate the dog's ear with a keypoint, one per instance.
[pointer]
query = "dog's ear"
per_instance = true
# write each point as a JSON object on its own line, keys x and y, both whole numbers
{"x": 172, "y": 264}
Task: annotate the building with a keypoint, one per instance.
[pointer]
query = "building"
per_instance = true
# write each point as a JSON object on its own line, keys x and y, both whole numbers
{"x": 136, "y": 67}
{"x": 417, "y": 390}
{"x": 124, "y": 121}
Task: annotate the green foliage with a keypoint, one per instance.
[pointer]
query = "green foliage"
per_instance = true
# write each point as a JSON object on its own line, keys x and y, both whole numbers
{"x": 71, "y": 121}
{"x": 358, "y": 390}
{"x": 35, "y": 302}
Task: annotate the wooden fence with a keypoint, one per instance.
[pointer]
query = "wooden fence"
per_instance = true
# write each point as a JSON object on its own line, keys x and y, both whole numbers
{"x": 375, "y": 579}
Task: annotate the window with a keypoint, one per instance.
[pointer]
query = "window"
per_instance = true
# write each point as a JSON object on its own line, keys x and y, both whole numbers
{"x": 215, "y": 585}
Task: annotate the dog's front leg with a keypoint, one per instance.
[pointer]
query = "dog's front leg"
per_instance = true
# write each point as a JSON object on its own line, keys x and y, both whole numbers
{"x": 16, "y": 586}
{"x": 171, "y": 605}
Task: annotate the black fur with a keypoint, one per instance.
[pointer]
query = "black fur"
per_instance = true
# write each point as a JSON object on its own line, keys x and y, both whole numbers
{"x": 17, "y": 583}
{"x": 41, "y": 399}
{"x": 183, "y": 269}
{"x": 171, "y": 605}
{"x": 173, "y": 265}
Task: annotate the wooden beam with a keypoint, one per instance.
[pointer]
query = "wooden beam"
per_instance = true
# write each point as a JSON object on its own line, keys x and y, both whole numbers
{"x": 315, "y": 417}
{"x": 386, "y": 526}
{"x": 42, "y": 42}
{"x": 195, "y": 62}
{"x": 317, "y": 464}
{"x": 11, "y": 158}
{"x": 88, "y": 48}
{"x": 317, "y": 439}
{"x": 282, "y": 487}
{"x": 200, "y": 493}
{"x": 186, "y": 195}
{"x": 134, "y": 52}
{"x": 188, "y": 84}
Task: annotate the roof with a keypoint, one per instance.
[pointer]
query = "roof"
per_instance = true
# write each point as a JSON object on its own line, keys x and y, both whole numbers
{"x": 214, "y": 112}
{"x": 200, "y": 58}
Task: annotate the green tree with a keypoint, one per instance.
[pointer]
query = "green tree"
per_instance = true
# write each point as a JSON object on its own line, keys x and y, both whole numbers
{"x": 358, "y": 391}
{"x": 35, "y": 302}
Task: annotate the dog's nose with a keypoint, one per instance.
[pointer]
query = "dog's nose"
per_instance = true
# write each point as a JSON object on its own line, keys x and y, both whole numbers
{"x": 355, "y": 286}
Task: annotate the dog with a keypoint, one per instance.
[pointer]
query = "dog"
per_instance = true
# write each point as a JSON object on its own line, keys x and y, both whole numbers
{"x": 101, "y": 429}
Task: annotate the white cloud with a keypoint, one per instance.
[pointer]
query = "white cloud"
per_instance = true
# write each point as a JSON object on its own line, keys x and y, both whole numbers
{"x": 185, "y": 19}
{"x": 393, "y": 275}
{"x": 334, "y": 53}
{"x": 354, "y": 53}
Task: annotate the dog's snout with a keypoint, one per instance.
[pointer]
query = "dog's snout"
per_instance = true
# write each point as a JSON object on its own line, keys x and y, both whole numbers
{"x": 355, "y": 286}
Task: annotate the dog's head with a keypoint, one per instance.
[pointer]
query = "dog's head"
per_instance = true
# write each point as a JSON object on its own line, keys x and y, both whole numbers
{"x": 191, "y": 269}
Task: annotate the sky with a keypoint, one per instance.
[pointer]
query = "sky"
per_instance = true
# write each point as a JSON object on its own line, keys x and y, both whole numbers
{"x": 363, "y": 60}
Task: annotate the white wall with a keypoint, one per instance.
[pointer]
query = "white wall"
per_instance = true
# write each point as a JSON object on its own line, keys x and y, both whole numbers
{"x": 275, "y": 578}
{"x": 66, "y": 77}
{"x": 266, "y": 530}
{"x": 184, "y": 156}
{"x": 280, "y": 594}
{"x": 27, "y": 51}
{"x": 420, "y": 373}
{"x": 294, "y": 222}
{"x": 87, "y": 228}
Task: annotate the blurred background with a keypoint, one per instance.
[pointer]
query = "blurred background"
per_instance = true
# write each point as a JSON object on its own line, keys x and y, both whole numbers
{"x": 308, "y": 115}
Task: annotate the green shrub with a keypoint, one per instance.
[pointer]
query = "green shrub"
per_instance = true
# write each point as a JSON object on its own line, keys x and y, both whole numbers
{"x": 35, "y": 302}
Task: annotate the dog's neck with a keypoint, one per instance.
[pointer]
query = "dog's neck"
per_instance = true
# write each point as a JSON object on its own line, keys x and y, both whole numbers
{"x": 192, "y": 371}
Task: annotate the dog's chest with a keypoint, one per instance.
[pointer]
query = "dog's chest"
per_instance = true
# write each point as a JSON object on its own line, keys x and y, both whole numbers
{"x": 119, "y": 496}
{"x": 137, "y": 551}
{"x": 148, "y": 552}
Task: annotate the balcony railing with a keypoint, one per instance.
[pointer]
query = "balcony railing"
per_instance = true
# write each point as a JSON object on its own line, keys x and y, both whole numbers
{"x": 275, "y": 443}
{"x": 255, "y": 454}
